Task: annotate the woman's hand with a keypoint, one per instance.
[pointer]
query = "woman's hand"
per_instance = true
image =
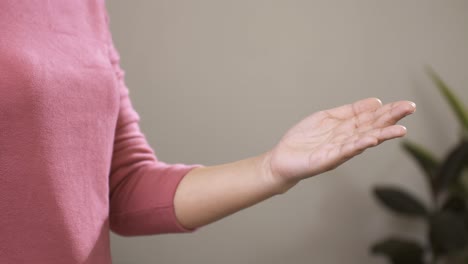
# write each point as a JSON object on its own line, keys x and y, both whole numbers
{"x": 328, "y": 138}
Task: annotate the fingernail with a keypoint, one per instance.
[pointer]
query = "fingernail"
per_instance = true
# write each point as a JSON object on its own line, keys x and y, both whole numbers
{"x": 413, "y": 105}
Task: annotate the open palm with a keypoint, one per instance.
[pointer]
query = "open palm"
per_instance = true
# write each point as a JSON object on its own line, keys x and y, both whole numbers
{"x": 326, "y": 139}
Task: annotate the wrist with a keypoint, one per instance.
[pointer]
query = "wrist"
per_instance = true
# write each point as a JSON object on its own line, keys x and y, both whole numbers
{"x": 277, "y": 183}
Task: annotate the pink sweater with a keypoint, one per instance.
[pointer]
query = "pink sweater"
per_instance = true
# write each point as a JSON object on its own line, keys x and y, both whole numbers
{"x": 73, "y": 161}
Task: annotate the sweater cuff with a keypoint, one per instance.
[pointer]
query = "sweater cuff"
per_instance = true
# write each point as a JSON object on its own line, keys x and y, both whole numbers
{"x": 179, "y": 228}
{"x": 151, "y": 213}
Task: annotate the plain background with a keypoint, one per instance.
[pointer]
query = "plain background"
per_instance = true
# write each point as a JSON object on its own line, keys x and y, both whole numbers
{"x": 216, "y": 81}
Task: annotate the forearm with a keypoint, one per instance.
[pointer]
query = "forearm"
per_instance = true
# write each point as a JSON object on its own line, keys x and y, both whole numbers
{"x": 210, "y": 193}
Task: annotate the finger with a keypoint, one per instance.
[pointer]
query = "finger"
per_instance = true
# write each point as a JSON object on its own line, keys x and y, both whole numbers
{"x": 391, "y": 113}
{"x": 356, "y": 108}
{"x": 386, "y": 133}
{"x": 371, "y": 139}
{"x": 356, "y": 147}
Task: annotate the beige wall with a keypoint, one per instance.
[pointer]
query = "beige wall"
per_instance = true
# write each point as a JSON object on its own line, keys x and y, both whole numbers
{"x": 216, "y": 81}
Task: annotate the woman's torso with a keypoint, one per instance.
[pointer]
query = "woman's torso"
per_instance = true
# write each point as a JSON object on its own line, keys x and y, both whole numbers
{"x": 58, "y": 107}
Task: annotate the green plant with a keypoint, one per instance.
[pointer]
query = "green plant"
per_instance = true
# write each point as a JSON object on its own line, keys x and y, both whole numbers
{"x": 447, "y": 216}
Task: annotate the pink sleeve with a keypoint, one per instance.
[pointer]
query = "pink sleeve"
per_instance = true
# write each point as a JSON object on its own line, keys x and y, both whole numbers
{"x": 142, "y": 188}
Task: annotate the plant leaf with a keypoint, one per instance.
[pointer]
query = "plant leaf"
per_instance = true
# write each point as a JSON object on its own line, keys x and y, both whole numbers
{"x": 452, "y": 167}
{"x": 455, "y": 204}
{"x": 400, "y": 201}
{"x": 400, "y": 251}
{"x": 455, "y": 104}
{"x": 447, "y": 232}
{"x": 426, "y": 161}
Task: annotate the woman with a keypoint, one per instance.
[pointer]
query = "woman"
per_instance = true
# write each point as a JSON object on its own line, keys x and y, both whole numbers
{"x": 74, "y": 163}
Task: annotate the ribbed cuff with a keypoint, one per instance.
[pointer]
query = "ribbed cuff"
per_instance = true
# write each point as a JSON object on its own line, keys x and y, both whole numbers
{"x": 179, "y": 227}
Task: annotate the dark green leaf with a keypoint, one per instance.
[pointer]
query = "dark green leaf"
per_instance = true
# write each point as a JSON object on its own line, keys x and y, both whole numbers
{"x": 427, "y": 162}
{"x": 452, "y": 167}
{"x": 465, "y": 219}
{"x": 400, "y": 251}
{"x": 400, "y": 201}
{"x": 455, "y": 204}
{"x": 447, "y": 233}
{"x": 456, "y": 105}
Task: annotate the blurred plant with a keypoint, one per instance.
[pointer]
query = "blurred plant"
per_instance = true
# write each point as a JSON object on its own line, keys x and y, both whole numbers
{"x": 447, "y": 217}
